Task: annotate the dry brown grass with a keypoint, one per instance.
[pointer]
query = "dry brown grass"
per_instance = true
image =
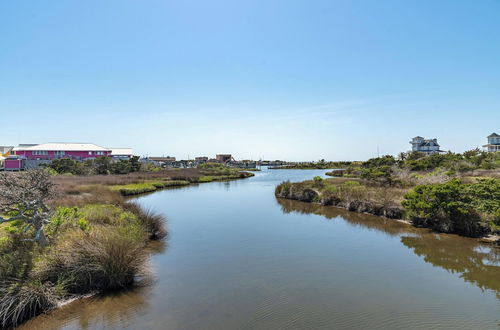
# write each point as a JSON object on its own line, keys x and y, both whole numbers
{"x": 136, "y": 177}
{"x": 385, "y": 196}
{"x": 349, "y": 189}
{"x": 70, "y": 194}
{"x": 482, "y": 173}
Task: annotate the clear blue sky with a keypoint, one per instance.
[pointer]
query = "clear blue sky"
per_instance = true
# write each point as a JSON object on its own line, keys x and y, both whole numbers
{"x": 297, "y": 80}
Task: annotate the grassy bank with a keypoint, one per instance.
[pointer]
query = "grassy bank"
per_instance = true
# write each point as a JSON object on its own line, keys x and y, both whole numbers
{"x": 351, "y": 194}
{"x": 320, "y": 165}
{"x": 465, "y": 205}
{"x": 143, "y": 182}
{"x": 145, "y": 187}
{"x": 97, "y": 240}
{"x": 97, "y": 243}
{"x": 453, "y": 193}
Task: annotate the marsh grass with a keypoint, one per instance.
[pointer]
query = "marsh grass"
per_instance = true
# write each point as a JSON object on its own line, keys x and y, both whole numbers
{"x": 98, "y": 241}
{"x": 154, "y": 223}
{"x": 20, "y": 302}
{"x": 102, "y": 259}
{"x": 135, "y": 188}
{"x": 187, "y": 174}
{"x": 348, "y": 193}
{"x": 145, "y": 187}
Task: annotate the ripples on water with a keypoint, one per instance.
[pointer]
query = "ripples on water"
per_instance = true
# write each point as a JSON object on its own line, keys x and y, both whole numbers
{"x": 237, "y": 258}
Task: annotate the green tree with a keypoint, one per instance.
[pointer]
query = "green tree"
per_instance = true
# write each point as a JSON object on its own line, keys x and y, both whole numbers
{"x": 102, "y": 165}
{"x": 120, "y": 167}
{"x": 66, "y": 165}
{"x": 135, "y": 165}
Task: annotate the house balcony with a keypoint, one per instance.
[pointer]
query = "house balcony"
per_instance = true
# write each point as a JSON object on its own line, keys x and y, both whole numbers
{"x": 492, "y": 147}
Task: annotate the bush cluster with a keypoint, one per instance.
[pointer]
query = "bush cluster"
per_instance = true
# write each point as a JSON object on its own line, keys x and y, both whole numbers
{"x": 100, "y": 165}
{"x": 385, "y": 170}
{"x": 469, "y": 209}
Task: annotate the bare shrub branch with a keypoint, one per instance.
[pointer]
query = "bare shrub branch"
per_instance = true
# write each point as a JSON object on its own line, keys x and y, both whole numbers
{"x": 23, "y": 196}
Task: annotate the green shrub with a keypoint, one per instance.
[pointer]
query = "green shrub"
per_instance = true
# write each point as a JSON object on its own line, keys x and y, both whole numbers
{"x": 120, "y": 167}
{"x": 135, "y": 165}
{"x": 69, "y": 166}
{"x": 63, "y": 219}
{"x": 379, "y": 162}
{"x": 66, "y": 218}
{"x": 318, "y": 182}
{"x": 449, "y": 207}
{"x": 380, "y": 174}
{"x": 50, "y": 171}
{"x": 100, "y": 165}
{"x": 16, "y": 256}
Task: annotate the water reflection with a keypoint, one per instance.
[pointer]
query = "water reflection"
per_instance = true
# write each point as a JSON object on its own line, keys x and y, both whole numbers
{"x": 102, "y": 311}
{"x": 234, "y": 260}
{"x": 390, "y": 227}
{"x": 477, "y": 263}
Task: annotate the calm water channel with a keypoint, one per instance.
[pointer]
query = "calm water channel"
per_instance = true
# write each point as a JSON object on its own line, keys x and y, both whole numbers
{"x": 237, "y": 258}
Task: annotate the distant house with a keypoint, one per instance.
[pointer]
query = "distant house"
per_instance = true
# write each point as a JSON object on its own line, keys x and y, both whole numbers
{"x": 167, "y": 161}
{"x": 27, "y": 156}
{"x": 201, "y": 159}
{"x": 51, "y": 151}
{"x": 224, "y": 158}
{"x": 427, "y": 146}
{"x": 162, "y": 159}
{"x": 121, "y": 153}
{"x": 493, "y": 143}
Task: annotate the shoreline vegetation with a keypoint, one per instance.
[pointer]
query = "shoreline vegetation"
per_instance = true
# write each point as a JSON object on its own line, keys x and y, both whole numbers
{"x": 97, "y": 239}
{"x": 450, "y": 193}
{"x": 319, "y": 165}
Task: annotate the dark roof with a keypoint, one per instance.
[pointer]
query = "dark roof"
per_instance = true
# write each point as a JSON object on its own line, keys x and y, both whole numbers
{"x": 429, "y": 143}
{"x": 493, "y": 135}
{"x": 162, "y": 159}
{"x": 418, "y": 137}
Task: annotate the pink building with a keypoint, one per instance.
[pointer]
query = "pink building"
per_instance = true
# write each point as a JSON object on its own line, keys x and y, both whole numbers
{"x": 50, "y": 151}
{"x": 13, "y": 163}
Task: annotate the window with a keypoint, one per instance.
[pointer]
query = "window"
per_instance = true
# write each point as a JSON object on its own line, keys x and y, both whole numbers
{"x": 59, "y": 153}
{"x": 99, "y": 153}
{"x": 40, "y": 153}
